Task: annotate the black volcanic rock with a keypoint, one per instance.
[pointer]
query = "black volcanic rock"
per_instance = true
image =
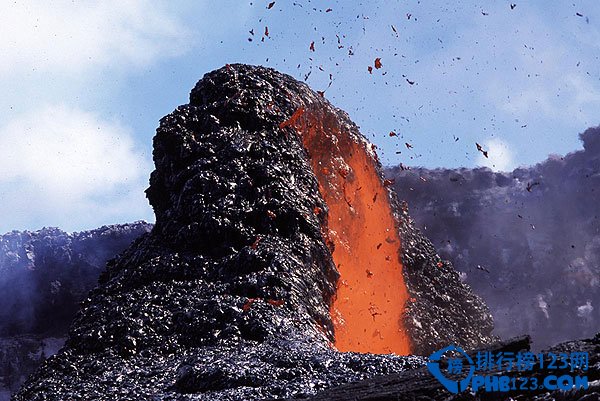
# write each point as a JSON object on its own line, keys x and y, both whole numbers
{"x": 228, "y": 297}
{"x": 419, "y": 384}
{"x": 43, "y": 276}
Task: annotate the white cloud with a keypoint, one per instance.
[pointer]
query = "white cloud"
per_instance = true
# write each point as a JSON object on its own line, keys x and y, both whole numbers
{"x": 500, "y": 157}
{"x": 64, "y": 167}
{"x": 66, "y": 36}
{"x": 60, "y": 165}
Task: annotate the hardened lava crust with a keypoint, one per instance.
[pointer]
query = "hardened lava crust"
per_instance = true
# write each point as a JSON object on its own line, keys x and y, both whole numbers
{"x": 228, "y": 297}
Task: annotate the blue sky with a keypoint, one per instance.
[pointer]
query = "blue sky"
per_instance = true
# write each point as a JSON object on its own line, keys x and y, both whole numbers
{"x": 85, "y": 83}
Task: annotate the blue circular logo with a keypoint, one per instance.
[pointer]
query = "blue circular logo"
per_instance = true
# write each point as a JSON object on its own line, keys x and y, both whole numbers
{"x": 452, "y": 386}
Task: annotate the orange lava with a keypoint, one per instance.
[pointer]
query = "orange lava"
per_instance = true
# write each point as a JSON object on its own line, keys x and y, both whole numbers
{"x": 371, "y": 294}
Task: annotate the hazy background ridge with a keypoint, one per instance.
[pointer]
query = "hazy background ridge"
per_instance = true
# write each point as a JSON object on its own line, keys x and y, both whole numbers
{"x": 527, "y": 241}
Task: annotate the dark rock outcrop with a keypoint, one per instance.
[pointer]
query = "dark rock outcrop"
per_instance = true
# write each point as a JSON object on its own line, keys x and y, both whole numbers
{"x": 228, "y": 297}
{"x": 419, "y": 384}
{"x": 43, "y": 277}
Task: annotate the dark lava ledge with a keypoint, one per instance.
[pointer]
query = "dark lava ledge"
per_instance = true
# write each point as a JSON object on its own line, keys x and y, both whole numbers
{"x": 221, "y": 301}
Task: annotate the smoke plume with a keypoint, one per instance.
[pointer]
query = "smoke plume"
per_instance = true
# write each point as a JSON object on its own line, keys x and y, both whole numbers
{"x": 527, "y": 241}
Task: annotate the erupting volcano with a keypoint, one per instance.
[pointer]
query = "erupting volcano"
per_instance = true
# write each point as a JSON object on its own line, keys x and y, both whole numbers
{"x": 277, "y": 246}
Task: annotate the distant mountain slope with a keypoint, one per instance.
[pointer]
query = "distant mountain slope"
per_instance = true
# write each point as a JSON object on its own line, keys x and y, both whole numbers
{"x": 43, "y": 277}
{"x": 527, "y": 241}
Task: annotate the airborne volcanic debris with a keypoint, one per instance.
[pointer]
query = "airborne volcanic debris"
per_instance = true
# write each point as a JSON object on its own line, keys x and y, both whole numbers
{"x": 521, "y": 225}
{"x": 229, "y": 296}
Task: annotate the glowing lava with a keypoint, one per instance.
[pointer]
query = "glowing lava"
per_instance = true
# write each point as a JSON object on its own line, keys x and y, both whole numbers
{"x": 371, "y": 294}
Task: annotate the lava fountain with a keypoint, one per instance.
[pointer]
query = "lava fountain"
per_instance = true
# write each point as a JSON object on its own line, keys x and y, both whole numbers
{"x": 369, "y": 304}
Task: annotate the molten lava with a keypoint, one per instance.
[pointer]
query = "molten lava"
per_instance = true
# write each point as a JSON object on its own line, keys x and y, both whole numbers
{"x": 371, "y": 294}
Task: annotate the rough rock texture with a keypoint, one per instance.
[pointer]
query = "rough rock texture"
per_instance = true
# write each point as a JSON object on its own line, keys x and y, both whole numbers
{"x": 43, "y": 277}
{"x": 419, "y": 384}
{"x": 228, "y": 297}
{"x": 526, "y": 241}
{"x": 44, "y": 274}
{"x": 20, "y": 356}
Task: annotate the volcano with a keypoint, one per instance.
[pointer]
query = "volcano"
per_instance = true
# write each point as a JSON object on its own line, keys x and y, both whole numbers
{"x": 281, "y": 262}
